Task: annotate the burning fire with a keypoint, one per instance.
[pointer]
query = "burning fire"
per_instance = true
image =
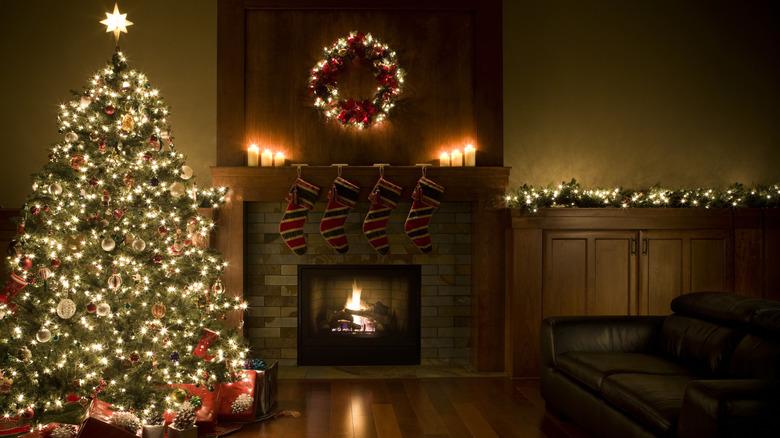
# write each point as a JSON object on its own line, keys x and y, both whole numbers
{"x": 355, "y": 304}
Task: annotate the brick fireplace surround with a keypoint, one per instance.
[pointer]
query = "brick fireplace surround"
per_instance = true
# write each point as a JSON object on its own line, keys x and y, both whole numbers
{"x": 462, "y": 280}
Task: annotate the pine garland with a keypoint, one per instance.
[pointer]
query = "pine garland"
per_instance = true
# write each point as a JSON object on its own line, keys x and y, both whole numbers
{"x": 529, "y": 199}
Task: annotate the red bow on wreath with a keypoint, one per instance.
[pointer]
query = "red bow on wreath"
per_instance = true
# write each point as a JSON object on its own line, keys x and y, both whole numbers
{"x": 354, "y": 111}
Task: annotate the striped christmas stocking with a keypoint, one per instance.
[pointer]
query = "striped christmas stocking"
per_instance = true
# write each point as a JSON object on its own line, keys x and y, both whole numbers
{"x": 300, "y": 200}
{"x": 384, "y": 197}
{"x": 425, "y": 200}
{"x": 342, "y": 196}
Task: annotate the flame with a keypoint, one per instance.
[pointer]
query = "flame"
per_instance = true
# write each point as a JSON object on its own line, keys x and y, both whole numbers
{"x": 354, "y": 303}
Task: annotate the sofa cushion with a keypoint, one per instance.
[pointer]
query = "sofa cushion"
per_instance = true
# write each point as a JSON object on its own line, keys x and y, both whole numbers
{"x": 651, "y": 399}
{"x": 718, "y": 307}
{"x": 756, "y": 357}
{"x": 591, "y": 368}
{"x": 704, "y": 346}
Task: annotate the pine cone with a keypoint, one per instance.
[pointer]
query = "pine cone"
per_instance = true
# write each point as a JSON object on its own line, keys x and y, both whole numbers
{"x": 185, "y": 417}
{"x": 242, "y": 403}
{"x": 64, "y": 431}
{"x": 126, "y": 420}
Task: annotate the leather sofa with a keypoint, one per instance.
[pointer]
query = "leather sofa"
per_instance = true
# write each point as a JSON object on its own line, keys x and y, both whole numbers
{"x": 711, "y": 369}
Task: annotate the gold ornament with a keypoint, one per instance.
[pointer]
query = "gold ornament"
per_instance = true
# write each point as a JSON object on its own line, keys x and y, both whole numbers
{"x": 66, "y": 308}
{"x": 108, "y": 244}
{"x": 218, "y": 288}
{"x": 177, "y": 189}
{"x": 103, "y": 309}
{"x": 114, "y": 281}
{"x": 138, "y": 244}
{"x": 128, "y": 123}
{"x": 55, "y": 189}
{"x": 43, "y": 335}
{"x": 186, "y": 172}
{"x": 179, "y": 395}
{"x": 158, "y": 310}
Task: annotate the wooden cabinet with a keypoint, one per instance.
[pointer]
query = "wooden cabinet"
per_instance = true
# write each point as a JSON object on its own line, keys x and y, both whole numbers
{"x": 675, "y": 262}
{"x": 589, "y": 273}
{"x": 629, "y": 262}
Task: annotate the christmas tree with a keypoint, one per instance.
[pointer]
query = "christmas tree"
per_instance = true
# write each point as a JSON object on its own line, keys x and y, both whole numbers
{"x": 114, "y": 292}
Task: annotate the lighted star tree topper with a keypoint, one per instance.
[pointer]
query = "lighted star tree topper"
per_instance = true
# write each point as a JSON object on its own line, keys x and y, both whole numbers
{"x": 114, "y": 291}
{"x": 116, "y": 22}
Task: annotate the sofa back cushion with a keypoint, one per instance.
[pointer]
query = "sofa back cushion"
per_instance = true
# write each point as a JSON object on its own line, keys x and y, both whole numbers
{"x": 704, "y": 346}
{"x": 758, "y": 355}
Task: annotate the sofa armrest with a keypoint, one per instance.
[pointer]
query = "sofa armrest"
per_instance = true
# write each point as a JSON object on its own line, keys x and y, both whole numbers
{"x": 598, "y": 334}
{"x": 726, "y": 408}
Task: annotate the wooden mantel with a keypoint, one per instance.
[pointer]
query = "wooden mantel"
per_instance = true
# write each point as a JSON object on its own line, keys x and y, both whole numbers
{"x": 482, "y": 186}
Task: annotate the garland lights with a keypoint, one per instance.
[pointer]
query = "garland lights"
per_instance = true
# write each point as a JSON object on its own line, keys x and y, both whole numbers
{"x": 530, "y": 199}
{"x": 353, "y": 112}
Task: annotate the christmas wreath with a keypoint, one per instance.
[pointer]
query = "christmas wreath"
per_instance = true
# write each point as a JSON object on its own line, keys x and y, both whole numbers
{"x": 356, "y": 112}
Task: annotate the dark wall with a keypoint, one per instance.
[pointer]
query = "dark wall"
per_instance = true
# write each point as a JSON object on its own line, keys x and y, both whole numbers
{"x": 681, "y": 92}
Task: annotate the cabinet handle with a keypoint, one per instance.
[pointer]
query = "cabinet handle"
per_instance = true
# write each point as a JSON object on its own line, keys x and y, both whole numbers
{"x": 644, "y": 246}
{"x": 633, "y": 246}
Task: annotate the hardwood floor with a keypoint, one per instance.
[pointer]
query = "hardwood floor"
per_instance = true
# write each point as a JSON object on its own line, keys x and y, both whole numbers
{"x": 394, "y": 408}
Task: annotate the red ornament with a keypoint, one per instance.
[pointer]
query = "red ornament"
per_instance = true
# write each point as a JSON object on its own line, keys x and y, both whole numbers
{"x": 162, "y": 230}
{"x": 157, "y": 259}
{"x": 72, "y": 397}
{"x": 35, "y": 210}
{"x": 55, "y": 263}
{"x": 202, "y": 349}
{"x": 118, "y": 214}
{"x": 102, "y": 147}
{"x": 20, "y": 229}
{"x": 134, "y": 357}
{"x": 76, "y": 161}
{"x": 154, "y": 141}
{"x": 91, "y": 308}
{"x": 93, "y": 181}
{"x": 109, "y": 109}
{"x": 106, "y": 197}
{"x": 26, "y": 263}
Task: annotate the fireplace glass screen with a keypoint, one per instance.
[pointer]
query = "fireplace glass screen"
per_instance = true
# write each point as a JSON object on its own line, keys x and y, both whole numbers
{"x": 359, "y": 315}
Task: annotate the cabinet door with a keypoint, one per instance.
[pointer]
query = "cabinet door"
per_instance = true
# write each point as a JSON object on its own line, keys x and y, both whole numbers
{"x": 589, "y": 273}
{"x": 676, "y": 262}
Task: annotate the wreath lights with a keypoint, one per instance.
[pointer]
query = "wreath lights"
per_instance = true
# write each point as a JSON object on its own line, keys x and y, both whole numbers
{"x": 530, "y": 199}
{"x": 356, "y": 112}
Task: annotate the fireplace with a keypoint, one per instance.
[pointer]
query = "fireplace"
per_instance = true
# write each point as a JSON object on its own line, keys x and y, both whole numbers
{"x": 359, "y": 314}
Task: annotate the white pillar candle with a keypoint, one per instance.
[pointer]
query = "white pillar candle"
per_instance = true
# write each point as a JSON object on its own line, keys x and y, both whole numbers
{"x": 267, "y": 159}
{"x": 444, "y": 159}
{"x": 252, "y": 155}
{"x": 470, "y": 155}
{"x": 279, "y": 159}
{"x": 456, "y": 158}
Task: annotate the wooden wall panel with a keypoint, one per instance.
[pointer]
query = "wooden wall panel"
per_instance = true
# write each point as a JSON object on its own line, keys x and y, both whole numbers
{"x": 614, "y": 276}
{"x": 450, "y": 50}
{"x": 709, "y": 265}
{"x": 565, "y": 276}
{"x": 663, "y": 273}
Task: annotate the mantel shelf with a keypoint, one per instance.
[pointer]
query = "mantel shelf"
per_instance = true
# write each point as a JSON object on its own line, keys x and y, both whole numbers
{"x": 270, "y": 184}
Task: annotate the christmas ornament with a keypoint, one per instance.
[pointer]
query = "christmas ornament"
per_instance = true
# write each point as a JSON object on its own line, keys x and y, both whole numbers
{"x": 76, "y": 161}
{"x": 6, "y": 382}
{"x": 134, "y": 357}
{"x": 202, "y": 349}
{"x": 43, "y": 335}
{"x": 383, "y": 197}
{"x": 186, "y": 172}
{"x": 157, "y": 259}
{"x": 162, "y": 229}
{"x": 66, "y": 308}
{"x": 114, "y": 281}
{"x": 85, "y": 101}
{"x": 158, "y": 310}
{"x": 217, "y": 288}
{"x": 109, "y": 109}
{"x": 179, "y": 395}
{"x": 35, "y": 210}
{"x": 102, "y": 147}
{"x": 118, "y": 214}
{"x": 352, "y": 112}
{"x": 25, "y": 355}
{"x": 138, "y": 245}
{"x": 128, "y": 123}
{"x": 44, "y": 273}
{"x": 176, "y": 189}
{"x": 106, "y": 197}
{"x": 242, "y": 403}
{"x": 128, "y": 180}
{"x": 91, "y": 308}
{"x": 154, "y": 182}
{"x": 55, "y": 189}
{"x": 71, "y": 137}
{"x": 26, "y": 263}
{"x": 103, "y": 309}
{"x": 175, "y": 356}
{"x": 108, "y": 244}
{"x": 342, "y": 196}
{"x": 425, "y": 200}
{"x": 300, "y": 200}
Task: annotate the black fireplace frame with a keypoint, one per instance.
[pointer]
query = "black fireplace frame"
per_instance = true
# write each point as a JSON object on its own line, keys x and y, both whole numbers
{"x": 359, "y": 351}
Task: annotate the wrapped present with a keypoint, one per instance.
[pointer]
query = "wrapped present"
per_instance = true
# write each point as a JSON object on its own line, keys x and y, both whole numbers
{"x": 100, "y": 410}
{"x": 239, "y": 398}
{"x": 93, "y": 427}
{"x": 206, "y": 415}
{"x": 13, "y": 426}
{"x": 252, "y": 396}
{"x": 53, "y": 430}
